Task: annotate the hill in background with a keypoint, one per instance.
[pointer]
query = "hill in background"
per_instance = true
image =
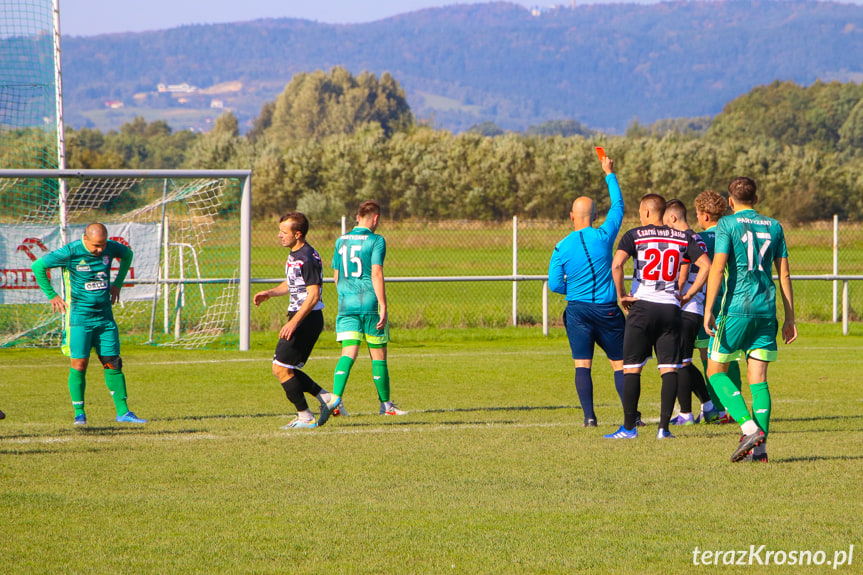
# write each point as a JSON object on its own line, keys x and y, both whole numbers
{"x": 602, "y": 65}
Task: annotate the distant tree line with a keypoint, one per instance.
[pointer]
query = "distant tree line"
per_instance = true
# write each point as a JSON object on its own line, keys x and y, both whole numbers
{"x": 331, "y": 140}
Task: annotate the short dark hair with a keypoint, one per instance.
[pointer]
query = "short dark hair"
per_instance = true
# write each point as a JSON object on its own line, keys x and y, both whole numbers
{"x": 677, "y": 208}
{"x": 743, "y": 190}
{"x": 299, "y": 222}
{"x": 655, "y": 203}
{"x": 368, "y": 207}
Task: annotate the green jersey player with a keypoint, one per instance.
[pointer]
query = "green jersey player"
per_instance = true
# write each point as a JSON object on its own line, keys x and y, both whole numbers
{"x": 748, "y": 245}
{"x": 358, "y": 265}
{"x": 88, "y": 318}
{"x": 710, "y": 206}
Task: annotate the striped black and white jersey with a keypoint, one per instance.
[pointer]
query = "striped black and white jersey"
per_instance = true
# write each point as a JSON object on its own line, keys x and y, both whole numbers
{"x": 696, "y": 304}
{"x": 302, "y": 269}
{"x": 657, "y": 253}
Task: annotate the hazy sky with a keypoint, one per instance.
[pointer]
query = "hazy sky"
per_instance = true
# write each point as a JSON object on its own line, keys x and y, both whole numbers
{"x": 89, "y": 17}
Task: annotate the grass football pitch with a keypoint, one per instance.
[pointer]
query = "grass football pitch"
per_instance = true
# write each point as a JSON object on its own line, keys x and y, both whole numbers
{"x": 491, "y": 472}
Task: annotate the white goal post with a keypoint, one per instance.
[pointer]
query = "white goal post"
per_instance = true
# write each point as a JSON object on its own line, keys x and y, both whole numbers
{"x": 90, "y": 197}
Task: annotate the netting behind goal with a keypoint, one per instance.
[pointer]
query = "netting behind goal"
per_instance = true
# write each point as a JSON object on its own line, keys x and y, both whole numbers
{"x": 28, "y": 104}
{"x": 185, "y": 235}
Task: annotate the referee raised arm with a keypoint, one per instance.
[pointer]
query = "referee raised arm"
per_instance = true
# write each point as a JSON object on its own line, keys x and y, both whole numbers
{"x": 580, "y": 268}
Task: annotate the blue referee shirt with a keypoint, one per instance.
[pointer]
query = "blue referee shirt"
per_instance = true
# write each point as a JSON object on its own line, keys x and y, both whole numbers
{"x": 580, "y": 266}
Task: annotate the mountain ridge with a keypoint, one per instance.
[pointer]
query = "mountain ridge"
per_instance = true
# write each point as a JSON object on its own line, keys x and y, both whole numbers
{"x": 603, "y": 65}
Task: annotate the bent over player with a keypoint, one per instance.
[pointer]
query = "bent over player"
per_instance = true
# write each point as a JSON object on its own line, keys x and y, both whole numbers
{"x": 653, "y": 307}
{"x": 88, "y": 320}
{"x": 358, "y": 265}
{"x": 748, "y": 245}
{"x": 303, "y": 282}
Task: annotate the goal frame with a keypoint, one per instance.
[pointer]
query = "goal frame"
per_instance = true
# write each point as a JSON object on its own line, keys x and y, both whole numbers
{"x": 245, "y": 177}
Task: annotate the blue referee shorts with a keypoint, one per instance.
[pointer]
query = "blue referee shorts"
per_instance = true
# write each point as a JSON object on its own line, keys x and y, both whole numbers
{"x": 590, "y": 323}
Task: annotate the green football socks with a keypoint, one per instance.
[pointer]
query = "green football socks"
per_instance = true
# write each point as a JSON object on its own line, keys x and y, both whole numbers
{"x": 734, "y": 374}
{"x": 381, "y": 376}
{"x": 731, "y": 398}
{"x": 116, "y": 382}
{"x": 77, "y": 384}
{"x": 340, "y": 377}
{"x": 761, "y": 405}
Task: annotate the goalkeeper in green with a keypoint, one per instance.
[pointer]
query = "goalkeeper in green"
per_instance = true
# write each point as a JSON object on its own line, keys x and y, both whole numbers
{"x": 88, "y": 319}
{"x": 358, "y": 264}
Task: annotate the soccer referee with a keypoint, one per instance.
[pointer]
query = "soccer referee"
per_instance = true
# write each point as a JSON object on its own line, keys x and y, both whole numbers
{"x": 580, "y": 268}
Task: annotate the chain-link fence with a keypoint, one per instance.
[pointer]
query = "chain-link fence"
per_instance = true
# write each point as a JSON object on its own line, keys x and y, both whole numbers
{"x": 477, "y": 248}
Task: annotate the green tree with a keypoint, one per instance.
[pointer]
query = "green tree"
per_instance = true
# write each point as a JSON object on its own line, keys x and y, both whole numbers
{"x": 560, "y": 128}
{"x": 222, "y": 147}
{"x": 851, "y": 132}
{"x": 789, "y": 114}
{"x": 316, "y": 105}
{"x": 488, "y": 129}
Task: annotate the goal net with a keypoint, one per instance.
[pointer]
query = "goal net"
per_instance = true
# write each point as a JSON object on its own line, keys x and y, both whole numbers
{"x": 28, "y": 85}
{"x": 184, "y": 231}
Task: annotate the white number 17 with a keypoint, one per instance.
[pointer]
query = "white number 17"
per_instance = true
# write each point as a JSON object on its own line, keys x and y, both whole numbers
{"x": 750, "y": 248}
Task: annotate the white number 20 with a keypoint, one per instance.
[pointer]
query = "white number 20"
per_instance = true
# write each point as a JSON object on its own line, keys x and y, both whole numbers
{"x": 343, "y": 251}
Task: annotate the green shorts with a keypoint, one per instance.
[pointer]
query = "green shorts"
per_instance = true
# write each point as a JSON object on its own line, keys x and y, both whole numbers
{"x": 82, "y": 336}
{"x": 702, "y": 339}
{"x": 362, "y": 327}
{"x": 743, "y": 337}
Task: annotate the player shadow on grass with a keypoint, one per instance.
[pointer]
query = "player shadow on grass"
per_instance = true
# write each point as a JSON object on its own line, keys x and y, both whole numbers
{"x": 814, "y": 458}
{"x": 36, "y": 451}
{"x": 815, "y": 418}
{"x": 506, "y": 408}
{"x": 219, "y": 416}
{"x": 137, "y": 431}
{"x": 402, "y": 423}
{"x": 359, "y": 414}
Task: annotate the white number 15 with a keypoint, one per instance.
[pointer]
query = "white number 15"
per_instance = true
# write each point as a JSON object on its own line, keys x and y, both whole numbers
{"x": 343, "y": 251}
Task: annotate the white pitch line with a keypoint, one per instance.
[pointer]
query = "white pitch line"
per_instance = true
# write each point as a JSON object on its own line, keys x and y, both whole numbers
{"x": 396, "y": 356}
{"x": 348, "y": 429}
{"x": 210, "y": 436}
{"x": 313, "y": 358}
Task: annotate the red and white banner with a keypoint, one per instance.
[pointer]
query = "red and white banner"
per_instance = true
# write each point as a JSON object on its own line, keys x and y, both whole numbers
{"x": 21, "y": 245}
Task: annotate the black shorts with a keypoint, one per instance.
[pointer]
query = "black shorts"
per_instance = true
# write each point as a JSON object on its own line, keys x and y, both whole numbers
{"x": 690, "y": 324}
{"x": 652, "y": 325}
{"x": 293, "y": 353}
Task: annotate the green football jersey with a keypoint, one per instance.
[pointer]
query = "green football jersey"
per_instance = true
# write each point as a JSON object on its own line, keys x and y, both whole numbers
{"x": 356, "y": 253}
{"x": 708, "y": 236}
{"x": 86, "y": 277}
{"x": 753, "y": 243}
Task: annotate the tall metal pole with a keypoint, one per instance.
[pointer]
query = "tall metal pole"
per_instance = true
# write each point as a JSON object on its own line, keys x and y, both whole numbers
{"x": 245, "y": 263}
{"x": 163, "y": 265}
{"x": 514, "y": 270}
{"x": 61, "y": 139}
{"x": 835, "y": 265}
{"x": 166, "y": 272}
{"x": 545, "y": 307}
